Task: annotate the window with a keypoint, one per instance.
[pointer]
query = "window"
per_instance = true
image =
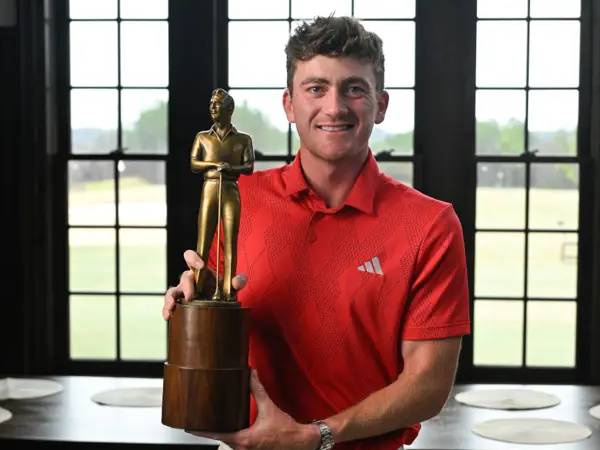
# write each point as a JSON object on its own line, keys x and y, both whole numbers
{"x": 528, "y": 166}
{"x": 490, "y": 109}
{"x": 116, "y": 179}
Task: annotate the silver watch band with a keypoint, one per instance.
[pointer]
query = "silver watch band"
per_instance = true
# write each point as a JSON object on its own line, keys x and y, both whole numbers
{"x": 327, "y": 442}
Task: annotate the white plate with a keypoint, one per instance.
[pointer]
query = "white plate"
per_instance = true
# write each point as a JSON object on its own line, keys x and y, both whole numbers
{"x": 22, "y": 388}
{"x": 532, "y": 431}
{"x": 133, "y": 397}
{"x": 507, "y": 399}
{"x": 5, "y": 415}
{"x": 595, "y": 411}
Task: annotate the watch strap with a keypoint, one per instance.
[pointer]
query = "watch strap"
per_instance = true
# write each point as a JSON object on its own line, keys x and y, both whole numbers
{"x": 326, "y": 442}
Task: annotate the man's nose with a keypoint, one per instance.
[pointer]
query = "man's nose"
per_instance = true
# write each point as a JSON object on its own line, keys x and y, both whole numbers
{"x": 335, "y": 103}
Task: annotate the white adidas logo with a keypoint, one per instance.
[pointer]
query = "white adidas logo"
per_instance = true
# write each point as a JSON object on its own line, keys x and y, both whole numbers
{"x": 372, "y": 266}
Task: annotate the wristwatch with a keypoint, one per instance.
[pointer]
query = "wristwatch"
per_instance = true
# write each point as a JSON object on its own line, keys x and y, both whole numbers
{"x": 326, "y": 442}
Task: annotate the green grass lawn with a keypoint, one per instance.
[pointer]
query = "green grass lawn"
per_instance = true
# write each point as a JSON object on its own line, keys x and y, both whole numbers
{"x": 499, "y": 272}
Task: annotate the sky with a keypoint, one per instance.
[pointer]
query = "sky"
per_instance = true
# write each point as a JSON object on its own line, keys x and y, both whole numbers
{"x": 501, "y": 58}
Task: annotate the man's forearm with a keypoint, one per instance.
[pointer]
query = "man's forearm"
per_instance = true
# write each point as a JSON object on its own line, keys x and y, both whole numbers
{"x": 406, "y": 401}
{"x": 418, "y": 394}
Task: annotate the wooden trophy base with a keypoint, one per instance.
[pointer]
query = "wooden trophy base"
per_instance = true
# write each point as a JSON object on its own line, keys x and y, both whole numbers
{"x": 206, "y": 375}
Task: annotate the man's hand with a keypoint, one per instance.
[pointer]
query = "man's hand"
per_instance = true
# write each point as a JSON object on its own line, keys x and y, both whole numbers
{"x": 186, "y": 287}
{"x": 223, "y": 166}
{"x": 272, "y": 430}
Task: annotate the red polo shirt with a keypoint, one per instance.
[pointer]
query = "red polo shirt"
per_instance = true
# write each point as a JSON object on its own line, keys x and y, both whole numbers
{"x": 334, "y": 291}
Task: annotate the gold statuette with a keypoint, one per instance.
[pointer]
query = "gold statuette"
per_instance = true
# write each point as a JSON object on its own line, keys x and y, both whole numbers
{"x": 221, "y": 154}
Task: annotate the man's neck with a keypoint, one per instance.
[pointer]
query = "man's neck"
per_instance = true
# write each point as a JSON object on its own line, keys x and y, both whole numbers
{"x": 222, "y": 128}
{"x": 332, "y": 181}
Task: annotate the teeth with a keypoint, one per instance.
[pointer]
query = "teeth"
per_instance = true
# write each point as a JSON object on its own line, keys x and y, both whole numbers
{"x": 335, "y": 127}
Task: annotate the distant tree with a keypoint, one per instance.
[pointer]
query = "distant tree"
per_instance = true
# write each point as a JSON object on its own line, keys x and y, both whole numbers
{"x": 266, "y": 137}
{"x": 149, "y": 132}
{"x": 493, "y": 139}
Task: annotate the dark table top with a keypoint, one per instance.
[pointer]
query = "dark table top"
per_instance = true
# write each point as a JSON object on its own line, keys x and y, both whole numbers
{"x": 71, "y": 417}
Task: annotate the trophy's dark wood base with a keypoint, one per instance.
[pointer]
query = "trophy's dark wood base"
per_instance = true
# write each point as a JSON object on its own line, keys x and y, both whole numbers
{"x": 206, "y": 376}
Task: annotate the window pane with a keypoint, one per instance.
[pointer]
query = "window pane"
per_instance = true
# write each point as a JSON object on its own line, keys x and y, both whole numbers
{"x": 399, "y": 49}
{"x": 401, "y": 171}
{"x": 384, "y": 9}
{"x": 499, "y": 264}
{"x": 143, "y": 260}
{"x": 91, "y": 260}
{"x": 144, "y": 54}
{"x": 144, "y": 9}
{"x": 86, "y": 9}
{"x": 501, "y": 53}
{"x": 554, "y": 54}
{"x": 93, "y": 120}
{"x": 92, "y": 327}
{"x": 245, "y": 68}
{"x": 258, "y": 9}
{"x": 260, "y": 114}
{"x": 555, "y": 8}
{"x": 395, "y": 133}
{"x": 551, "y": 328}
{"x": 498, "y": 333}
{"x": 552, "y": 265}
{"x": 142, "y": 193}
{"x": 500, "y": 122}
{"x": 266, "y": 165}
{"x": 93, "y": 56}
{"x": 91, "y": 193}
{"x": 554, "y": 196}
{"x": 144, "y": 117}
{"x": 501, "y": 9}
{"x": 553, "y": 119}
{"x": 296, "y": 139}
{"x": 307, "y": 9}
{"x": 143, "y": 332}
{"x": 500, "y": 195}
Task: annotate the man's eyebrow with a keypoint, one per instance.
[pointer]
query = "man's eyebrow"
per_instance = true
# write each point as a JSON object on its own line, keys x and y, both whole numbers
{"x": 314, "y": 80}
{"x": 360, "y": 80}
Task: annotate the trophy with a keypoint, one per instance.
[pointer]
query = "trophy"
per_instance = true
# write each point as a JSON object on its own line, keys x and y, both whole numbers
{"x": 206, "y": 375}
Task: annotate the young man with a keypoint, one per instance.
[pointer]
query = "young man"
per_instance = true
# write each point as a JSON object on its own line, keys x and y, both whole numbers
{"x": 357, "y": 283}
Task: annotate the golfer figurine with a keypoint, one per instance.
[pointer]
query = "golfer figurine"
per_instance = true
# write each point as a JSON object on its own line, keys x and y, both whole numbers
{"x": 222, "y": 154}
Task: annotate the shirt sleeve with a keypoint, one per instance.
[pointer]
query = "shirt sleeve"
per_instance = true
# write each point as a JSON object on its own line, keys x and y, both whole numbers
{"x": 439, "y": 295}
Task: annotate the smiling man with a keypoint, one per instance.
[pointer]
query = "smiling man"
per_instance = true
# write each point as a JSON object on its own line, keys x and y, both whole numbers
{"x": 357, "y": 283}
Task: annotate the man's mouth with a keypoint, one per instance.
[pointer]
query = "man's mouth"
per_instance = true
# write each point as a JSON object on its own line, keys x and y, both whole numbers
{"x": 335, "y": 128}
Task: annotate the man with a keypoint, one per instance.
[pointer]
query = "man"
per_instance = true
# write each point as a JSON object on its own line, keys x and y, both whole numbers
{"x": 357, "y": 283}
{"x": 221, "y": 154}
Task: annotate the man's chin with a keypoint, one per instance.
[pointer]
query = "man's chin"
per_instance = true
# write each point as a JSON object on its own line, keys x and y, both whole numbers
{"x": 333, "y": 156}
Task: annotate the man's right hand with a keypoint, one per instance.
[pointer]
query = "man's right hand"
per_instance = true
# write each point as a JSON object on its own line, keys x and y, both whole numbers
{"x": 186, "y": 287}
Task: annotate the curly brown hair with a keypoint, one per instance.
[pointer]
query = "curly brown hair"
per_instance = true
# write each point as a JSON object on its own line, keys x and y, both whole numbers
{"x": 334, "y": 36}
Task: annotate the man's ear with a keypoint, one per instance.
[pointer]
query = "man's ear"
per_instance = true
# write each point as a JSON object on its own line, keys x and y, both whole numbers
{"x": 383, "y": 99}
{"x": 288, "y": 107}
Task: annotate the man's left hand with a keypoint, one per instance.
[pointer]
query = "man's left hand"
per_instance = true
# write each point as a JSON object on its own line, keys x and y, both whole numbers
{"x": 272, "y": 430}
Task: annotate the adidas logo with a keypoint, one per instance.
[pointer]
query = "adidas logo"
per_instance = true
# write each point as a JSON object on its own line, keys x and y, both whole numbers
{"x": 372, "y": 266}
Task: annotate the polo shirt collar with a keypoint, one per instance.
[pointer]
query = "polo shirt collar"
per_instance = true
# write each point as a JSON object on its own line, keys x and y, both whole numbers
{"x": 360, "y": 197}
{"x": 230, "y": 130}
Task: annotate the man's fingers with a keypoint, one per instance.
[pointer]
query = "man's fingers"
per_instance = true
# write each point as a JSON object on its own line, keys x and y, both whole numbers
{"x": 193, "y": 260}
{"x": 187, "y": 284}
{"x": 263, "y": 402}
{"x": 171, "y": 296}
{"x": 239, "y": 281}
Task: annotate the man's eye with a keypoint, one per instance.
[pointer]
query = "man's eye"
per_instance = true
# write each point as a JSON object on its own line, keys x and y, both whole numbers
{"x": 355, "y": 90}
{"x": 315, "y": 89}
